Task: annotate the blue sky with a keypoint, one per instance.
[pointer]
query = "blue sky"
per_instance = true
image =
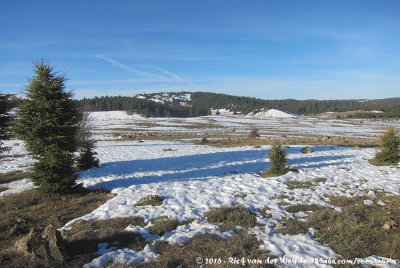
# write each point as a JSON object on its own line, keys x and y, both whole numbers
{"x": 268, "y": 49}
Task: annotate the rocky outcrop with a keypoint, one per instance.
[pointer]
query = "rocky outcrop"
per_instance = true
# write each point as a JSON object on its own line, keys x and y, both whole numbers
{"x": 44, "y": 248}
{"x": 306, "y": 150}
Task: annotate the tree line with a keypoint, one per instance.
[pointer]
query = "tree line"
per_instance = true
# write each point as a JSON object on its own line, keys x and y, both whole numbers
{"x": 144, "y": 107}
{"x": 246, "y": 105}
{"x": 202, "y": 102}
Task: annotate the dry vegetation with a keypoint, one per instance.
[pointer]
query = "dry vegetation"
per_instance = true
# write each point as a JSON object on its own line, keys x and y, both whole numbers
{"x": 207, "y": 246}
{"x": 359, "y": 231}
{"x": 230, "y": 217}
{"x": 150, "y": 200}
{"x": 83, "y": 238}
{"x": 33, "y": 209}
{"x": 13, "y": 175}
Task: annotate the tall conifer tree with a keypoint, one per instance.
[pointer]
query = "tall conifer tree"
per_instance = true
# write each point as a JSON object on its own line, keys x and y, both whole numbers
{"x": 48, "y": 123}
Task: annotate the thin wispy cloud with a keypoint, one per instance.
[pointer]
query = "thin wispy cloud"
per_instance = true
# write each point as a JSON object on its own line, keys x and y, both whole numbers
{"x": 130, "y": 69}
{"x": 165, "y": 76}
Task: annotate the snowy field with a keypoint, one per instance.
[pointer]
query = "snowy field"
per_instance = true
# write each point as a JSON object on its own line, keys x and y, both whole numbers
{"x": 271, "y": 124}
{"x": 194, "y": 178}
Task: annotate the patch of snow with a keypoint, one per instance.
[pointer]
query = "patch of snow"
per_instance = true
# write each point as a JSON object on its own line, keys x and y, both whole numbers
{"x": 103, "y": 249}
{"x": 294, "y": 247}
{"x": 368, "y": 202}
{"x": 124, "y": 256}
{"x": 377, "y": 261}
{"x": 183, "y": 233}
{"x": 381, "y": 203}
{"x": 17, "y": 186}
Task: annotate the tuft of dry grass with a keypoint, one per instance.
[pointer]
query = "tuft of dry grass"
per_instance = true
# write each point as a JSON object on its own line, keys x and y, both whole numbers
{"x": 298, "y": 184}
{"x": 231, "y": 217}
{"x": 150, "y": 200}
{"x": 304, "y": 208}
{"x": 2, "y": 189}
{"x": 264, "y": 212}
{"x": 319, "y": 180}
{"x": 13, "y": 175}
{"x": 240, "y": 195}
{"x": 163, "y": 224}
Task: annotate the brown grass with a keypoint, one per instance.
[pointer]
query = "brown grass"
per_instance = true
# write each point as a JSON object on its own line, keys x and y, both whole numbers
{"x": 298, "y": 184}
{"x": 150, "y": 200}
{"x": 13, "y": 175}
{"x": 163, "y": 224}
{"x": 2, "y": 189}
{"x": 231, "y": 217}
{"x": 264, "y": 212}
{"x": 209, "y": 248}
{"x": 23, "y": 211}
{"x": 84, "y": 236}
{"x": 358, "y": 231}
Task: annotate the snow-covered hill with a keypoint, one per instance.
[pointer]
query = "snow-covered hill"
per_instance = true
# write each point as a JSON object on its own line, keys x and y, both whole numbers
{"x": 273, "y": 113}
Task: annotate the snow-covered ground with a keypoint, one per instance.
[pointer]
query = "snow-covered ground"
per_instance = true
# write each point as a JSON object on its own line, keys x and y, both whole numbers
{"x": 271, "y": 124}
{"x": 194, "y": 178}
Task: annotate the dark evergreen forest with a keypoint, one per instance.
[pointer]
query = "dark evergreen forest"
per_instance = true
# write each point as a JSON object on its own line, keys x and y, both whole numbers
{"x": 202, "y": 102}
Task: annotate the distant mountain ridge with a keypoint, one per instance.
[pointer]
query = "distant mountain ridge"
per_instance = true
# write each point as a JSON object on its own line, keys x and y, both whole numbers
{"x": 188, "y": 104}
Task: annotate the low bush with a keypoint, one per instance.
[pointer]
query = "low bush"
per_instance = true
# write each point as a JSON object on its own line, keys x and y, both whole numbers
{"x": 389, "y": 149}
{"x": 278, "y": 162}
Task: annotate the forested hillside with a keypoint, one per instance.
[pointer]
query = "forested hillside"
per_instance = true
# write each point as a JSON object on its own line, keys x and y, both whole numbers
{"x": 201, "y": 103}
{"x": 143, "y": 106}
{"x": 246, "y": 105}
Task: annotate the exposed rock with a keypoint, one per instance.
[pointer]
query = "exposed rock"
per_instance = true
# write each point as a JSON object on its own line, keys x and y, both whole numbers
{"x": 20, "y": 226}
{"x": 356, "y": 148}
{"x": 204, "y": 140}
{"x": 390, "y": 224}
{"x": 307, "y": 150}
{"x": 44, "y": 248}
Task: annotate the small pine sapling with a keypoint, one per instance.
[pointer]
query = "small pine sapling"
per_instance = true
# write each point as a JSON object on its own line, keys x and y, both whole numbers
{"x": 278, "y": 162}
{"x": 85, "y": 143}
{"x": 389, "y": 146}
